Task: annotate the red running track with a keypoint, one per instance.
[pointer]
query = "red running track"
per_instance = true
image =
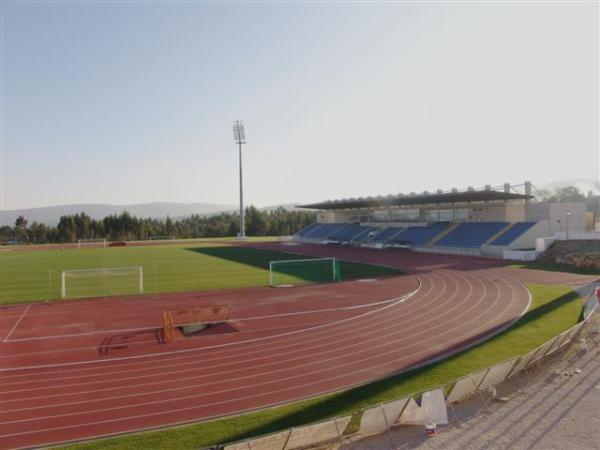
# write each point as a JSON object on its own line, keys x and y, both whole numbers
{"x": 87, "y": 369}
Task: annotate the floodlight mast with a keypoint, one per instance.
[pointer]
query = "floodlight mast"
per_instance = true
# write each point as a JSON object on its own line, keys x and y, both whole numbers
{"x": 239, "y": 136}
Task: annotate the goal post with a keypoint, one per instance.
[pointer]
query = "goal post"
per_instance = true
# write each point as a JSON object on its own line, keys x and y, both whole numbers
{"x": 161, "y": 238}
{"x": 91, "y": 242}
{"x": 301, "y": 271}
{"x": 102, "y": 282}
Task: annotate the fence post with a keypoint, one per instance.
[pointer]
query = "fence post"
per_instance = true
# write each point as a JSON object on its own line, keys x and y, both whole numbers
{"x": 388, "y": 427}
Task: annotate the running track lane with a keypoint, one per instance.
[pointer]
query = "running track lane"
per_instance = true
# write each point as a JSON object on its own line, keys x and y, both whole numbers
{"x": 450, "y": 310}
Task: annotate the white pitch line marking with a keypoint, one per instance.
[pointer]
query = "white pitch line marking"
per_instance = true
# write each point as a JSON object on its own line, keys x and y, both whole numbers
{"x": 17, "y": 324}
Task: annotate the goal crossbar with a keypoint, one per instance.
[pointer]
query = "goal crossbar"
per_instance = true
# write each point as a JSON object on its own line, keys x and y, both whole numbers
{"x": 104, "y": 272}
{"x": 313, "y": 269}
{"x": 81, "y": 242}
{"x": 300, "y": 260}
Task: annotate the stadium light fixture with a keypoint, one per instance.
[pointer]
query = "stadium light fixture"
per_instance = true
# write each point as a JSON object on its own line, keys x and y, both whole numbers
{"x": 239, "y": 136}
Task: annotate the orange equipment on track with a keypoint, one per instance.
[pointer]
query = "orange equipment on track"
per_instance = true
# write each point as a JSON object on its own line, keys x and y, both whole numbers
{"x": 193, "y": 320}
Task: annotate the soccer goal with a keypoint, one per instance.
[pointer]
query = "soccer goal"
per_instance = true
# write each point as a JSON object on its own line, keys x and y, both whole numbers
{"x": 161, "y": 238}
{"x": 91, "y": 243}
{"x": 102, "y": 282}
{"x": 301, "y": 271}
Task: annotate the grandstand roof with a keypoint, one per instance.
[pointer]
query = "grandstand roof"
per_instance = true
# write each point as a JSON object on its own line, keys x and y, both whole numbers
{"x": 418, "y": 199}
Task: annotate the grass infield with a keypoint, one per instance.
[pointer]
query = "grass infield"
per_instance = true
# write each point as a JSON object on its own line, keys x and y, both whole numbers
{"x": 167, "y": 268}
{"x": 553, "y": 310}
{"x": 566, "y": 268}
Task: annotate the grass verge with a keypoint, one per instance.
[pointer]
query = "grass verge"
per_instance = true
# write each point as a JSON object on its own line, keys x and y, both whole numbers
{"x": 567, "y": 268}
{"x": 553, "y": 310}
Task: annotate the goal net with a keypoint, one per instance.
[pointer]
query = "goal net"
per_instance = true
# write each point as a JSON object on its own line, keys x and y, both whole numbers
{"x": 91, "y": 243}
{"x": 161, "y": 238}
{"x": 301, "y": 271}
{"x": 102, "y": 282}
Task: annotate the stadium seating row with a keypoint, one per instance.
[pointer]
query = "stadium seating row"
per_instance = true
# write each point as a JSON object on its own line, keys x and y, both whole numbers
{"x": 419, "y": 235}
{"x": 509, "y": 236}
{"x": 465, "y": 235}
{"x": 472, "y": 234}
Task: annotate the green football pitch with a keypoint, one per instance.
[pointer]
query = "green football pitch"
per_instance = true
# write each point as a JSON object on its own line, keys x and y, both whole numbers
{"x": 24, "y": 276}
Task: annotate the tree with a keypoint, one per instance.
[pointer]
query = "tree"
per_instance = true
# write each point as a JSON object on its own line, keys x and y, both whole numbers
{"x": 127, "y": 227}
{"x": 7, "y": 233}
{"x": 567, "y": 194}
{"x": 257, "y": 222}
{"x": 67, "y": 231}
{"x": 21, "y": 229}
{"x": 169, "y": 227}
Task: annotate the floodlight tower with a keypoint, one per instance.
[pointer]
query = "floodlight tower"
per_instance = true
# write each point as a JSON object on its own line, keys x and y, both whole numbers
{"x": 239, "y": 136}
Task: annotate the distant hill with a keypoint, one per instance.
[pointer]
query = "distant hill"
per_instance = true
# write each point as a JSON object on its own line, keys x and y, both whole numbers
{"x": 50, "y": 215}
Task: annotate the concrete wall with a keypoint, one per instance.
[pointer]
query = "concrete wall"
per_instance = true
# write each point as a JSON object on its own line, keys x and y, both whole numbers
{"x": 577, "y": 235}
{"x": 449, "y": 251}
{"x": 333, "y": 216}
{"x": 528, "y": 239}
{"x": 508, "y": 212}
{"x": 590, "y": 221}
{"x": 556, "y": 214}
{"x": 520, "y": 255}
{"x": 394, "y": 224}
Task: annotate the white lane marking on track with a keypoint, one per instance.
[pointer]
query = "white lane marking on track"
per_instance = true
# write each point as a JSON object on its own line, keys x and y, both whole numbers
{"x": 17, "y": 323}
{"x": 484, "y": 293}
{"x": 285, "y": 351}
{"x": 423, "y": 305}
{"x": 232, "y": 343}
{"x": 455, "y": 307}
{"x": 166, "y": 358}
{"x": 390, "y": 303}
{"x": 246, "y": 319}
{"x": 370, "y": 350}
{"x": 354, "y": 331}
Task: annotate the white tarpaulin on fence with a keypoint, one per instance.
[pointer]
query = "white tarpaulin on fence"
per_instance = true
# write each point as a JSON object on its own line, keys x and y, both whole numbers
{"x": 569, "y": 335}
{"x": 576, "y": 329}
{"x": 378, "y": 419}
{"x": 274, "y": 441}
{"x": 466, "y": 385}
{"x": 413, "y": 414}
{"x": 525, "y": 360}
{"x": 497, "y": 374}
{"x": 317, "y": 433}
{"x": 545, "y": 349}
{"x": 433, "y": 404}
{"x": 563, "y": 338}
{"x": 590, "y": 305}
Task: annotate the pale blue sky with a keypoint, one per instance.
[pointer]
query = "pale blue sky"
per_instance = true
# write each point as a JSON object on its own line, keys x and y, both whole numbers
{"x": 133, "y": 102}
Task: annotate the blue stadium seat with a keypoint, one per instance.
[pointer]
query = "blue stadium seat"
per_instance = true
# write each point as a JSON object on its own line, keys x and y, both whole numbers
{"x": 471, "y": 234}
{"x": 512, "y": 233}
{"x": 385, "y": 234}
{"x": 323, "y": 231}
{"x": 419, "y": 235}
{"x": 364, "y": 235}
{"x": 304, "y": 231}
{"x": 348, "y": 232}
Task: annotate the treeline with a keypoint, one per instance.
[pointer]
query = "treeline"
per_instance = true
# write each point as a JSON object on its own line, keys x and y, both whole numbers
{"x": 573, "y": 194}
{"x": 125, "y": 227}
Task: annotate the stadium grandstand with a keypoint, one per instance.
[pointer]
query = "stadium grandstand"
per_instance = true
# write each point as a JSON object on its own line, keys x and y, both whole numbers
{"x": 485, "y": 221}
